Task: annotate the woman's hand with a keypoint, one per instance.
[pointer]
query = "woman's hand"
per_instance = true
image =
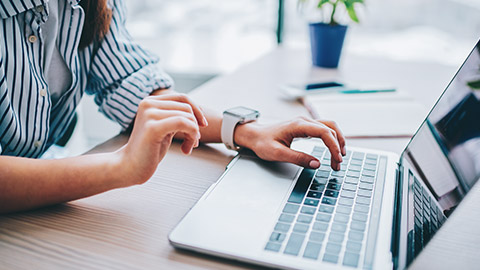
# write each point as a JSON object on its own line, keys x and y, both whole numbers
{"x": 273, "y": 142}
{"x": 159, "y": 119}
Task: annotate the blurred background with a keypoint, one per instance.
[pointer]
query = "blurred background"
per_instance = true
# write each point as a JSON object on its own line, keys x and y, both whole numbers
{"x": 200, "y": 39}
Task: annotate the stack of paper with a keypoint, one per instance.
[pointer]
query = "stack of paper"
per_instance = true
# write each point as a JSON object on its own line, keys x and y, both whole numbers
{"x": 369, "y": 114}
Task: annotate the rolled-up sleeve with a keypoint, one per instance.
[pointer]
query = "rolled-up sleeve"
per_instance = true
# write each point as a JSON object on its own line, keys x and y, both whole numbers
{"x": 122, "y": 72}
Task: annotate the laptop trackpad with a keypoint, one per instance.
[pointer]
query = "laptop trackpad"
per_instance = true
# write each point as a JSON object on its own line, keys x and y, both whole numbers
{"x": 241, "y": 210}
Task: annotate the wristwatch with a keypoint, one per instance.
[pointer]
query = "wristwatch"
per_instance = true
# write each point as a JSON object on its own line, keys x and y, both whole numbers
{"x": 232, "y": 118}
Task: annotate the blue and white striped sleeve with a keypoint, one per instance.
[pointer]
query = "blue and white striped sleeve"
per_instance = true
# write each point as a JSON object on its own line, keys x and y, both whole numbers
{"x": 122, "y": 73}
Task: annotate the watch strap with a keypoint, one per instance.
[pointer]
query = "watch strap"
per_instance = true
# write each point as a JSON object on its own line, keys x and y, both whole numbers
{"x": 229, "y": 123}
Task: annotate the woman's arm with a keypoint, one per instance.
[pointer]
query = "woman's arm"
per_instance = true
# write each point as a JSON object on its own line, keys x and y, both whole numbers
{"x": 31, "y": 183}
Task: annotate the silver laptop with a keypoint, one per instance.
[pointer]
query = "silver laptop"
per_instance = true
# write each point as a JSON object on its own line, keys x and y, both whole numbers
{"x": 378, "y": 212}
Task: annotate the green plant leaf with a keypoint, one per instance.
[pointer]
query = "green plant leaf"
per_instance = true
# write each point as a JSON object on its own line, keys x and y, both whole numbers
{"x": 351, "y": 11}
{"x": 322, "y": 2}
{"x": 474, "y": 85}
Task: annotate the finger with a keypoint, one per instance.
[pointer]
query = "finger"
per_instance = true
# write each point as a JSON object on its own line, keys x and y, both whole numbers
{"x": 197, "y": 111}
{"x": 340, "y": 136}
{"x": 188, "y": 145}
{"x": 158, "y": 114}
{"x": 305, "y": 128}
{"x": 283, "y": 153}
{"x": 174, "y": 125}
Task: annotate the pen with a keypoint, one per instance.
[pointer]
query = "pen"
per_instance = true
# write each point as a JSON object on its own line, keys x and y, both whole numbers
{"x": 365, "y": 91}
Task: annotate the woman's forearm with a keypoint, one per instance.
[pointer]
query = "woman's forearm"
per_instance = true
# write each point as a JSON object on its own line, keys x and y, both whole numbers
{"x": 31, "y": 183}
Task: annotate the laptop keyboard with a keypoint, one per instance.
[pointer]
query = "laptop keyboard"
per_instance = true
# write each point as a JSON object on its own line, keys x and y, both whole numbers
{"x": 428, "y": 218}
{"x": 326, "y": 216}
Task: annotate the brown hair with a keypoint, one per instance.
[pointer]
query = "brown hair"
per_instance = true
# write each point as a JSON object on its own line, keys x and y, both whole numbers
{"x": 97, "y": 21}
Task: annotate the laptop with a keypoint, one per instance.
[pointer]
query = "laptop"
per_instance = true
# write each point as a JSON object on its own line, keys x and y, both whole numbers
{"x": 378, "y": 212}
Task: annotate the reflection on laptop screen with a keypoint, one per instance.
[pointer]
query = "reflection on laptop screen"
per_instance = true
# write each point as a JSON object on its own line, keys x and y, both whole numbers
{"x": 446, "y": 149}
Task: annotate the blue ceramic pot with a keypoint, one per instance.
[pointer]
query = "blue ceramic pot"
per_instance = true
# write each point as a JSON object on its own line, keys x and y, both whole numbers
{"x": 326, "y": 43}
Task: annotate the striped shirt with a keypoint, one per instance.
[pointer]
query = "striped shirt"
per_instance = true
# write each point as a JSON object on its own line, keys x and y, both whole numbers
{"x": 116, "y": 70}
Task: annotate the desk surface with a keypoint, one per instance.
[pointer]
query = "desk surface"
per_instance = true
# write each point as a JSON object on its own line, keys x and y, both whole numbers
{"x": 128, "y": 228}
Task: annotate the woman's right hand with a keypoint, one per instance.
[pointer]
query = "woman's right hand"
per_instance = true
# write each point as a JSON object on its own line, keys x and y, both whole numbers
{"x": 159, "y": 118}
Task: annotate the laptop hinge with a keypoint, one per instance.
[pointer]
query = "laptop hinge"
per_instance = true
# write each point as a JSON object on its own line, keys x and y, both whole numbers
{"x": 397, "y": 213}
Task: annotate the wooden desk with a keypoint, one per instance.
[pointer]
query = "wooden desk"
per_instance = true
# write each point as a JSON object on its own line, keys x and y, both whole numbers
{"x": 128, "y": 228}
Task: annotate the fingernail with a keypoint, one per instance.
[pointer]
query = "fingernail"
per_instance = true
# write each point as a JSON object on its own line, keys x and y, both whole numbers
{"x": 205, "y": 122}
{"x": 338, "y": 167}
{"x": 340, "y": 158}
{"x": 344, "y": 150}
{"x": 314, "y": 164}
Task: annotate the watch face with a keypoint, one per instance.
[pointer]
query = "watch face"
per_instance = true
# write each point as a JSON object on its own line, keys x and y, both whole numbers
{"x": 241, "y": 111}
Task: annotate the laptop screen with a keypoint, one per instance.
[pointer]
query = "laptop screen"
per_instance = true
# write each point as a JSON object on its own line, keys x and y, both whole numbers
{"x": 445, "y": 152}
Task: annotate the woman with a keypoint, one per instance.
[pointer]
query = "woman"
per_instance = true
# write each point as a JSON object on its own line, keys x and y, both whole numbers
{"x": 51, "y": 53}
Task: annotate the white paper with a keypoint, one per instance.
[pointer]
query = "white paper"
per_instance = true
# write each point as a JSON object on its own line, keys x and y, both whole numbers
{"x": 369, "y": 115}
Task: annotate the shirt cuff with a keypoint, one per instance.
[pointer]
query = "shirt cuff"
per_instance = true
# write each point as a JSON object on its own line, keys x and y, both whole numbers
{"x": 122, "y": 103}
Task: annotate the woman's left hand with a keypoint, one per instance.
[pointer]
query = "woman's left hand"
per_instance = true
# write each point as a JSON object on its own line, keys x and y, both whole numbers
{"x": 272, "y": 142}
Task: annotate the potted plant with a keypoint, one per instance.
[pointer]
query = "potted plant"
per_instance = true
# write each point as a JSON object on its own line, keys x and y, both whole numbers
{"x": 327, "y": 36}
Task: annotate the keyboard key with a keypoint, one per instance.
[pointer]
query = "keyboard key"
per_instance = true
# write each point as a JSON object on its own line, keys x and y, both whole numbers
{"x": 320, "y": 180}
{"x": 358, "y": 155}
{"x": 338, "y": 173}
{"x": 351, "y": 180}
{"x": 364, "y": 193}
{"x": 370, "y": 167}
{"x": 324, "y": 217}
{"x": 371, "y": 156}
{"x": 331, "y": 193}
{"x": 286, "y": 218}
{"x": 344, "y": 209}
{"x": 371, "y": 161}
{"x": 333, "y": 248}
{"x": 294, "y": 244}
{"x": 291, "y": 208}
{"x": 312, "y": 202}
{"x": 314, "y": 194}
{"x": 330, "y": 258}
{"x": 345, "y": 201}
{"x": 322, "y": 173}
{"x": 360, "y": 208}
{"x": 312, "y": 250}
{"x": 355, "y": 236}
{"x": 354, "y": 247}
{"x": 350, "y": 187}
{"x": 277, "y": 237}
{"x": 335, "y": 180}
{"x": 307, "y": 210}
{"x": 369, "y": 173}
{"x": 363, "y": 200}
{"x": 338, "y": 227}
{"x": 355, "y": 168}
{"x": 367, "y": 179}
{"x": 348, "y": 194}
{"x": 304, "y": 219}
{"x": 353, "y": 174}
{"x": 356, "y": 162}
{"x": 317, "y": 236}
{"x": 326, "y": 208}
{"x": 350, "y": 259}
{"x": 300, "y": 228}
{"x": 336, "y": 237}
{"x": 334, "y": 186}
{"x": 360, "y": 217}
{"x": 282, "y": 227}
{"x": 317, "y": 187}
{"x": 366, "y": 186}
{"x": 301, "y": 186}
{"x": 357, "y": 226}
{"x": 329, "y": 200}
{"x": 320, "y": 226}
{"x": 273, "y": 246}
{"x": 341, "y": 218}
